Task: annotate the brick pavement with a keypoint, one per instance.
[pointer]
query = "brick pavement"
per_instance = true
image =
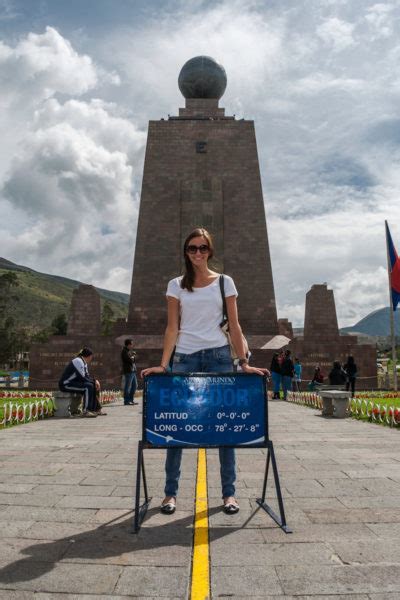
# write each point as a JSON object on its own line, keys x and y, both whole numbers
{"x": 66, "y": 489}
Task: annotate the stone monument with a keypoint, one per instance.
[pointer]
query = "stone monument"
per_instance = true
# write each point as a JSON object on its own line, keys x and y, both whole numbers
{"x": 201, "y": 170}
{"x": 322, "y": 342}
{"x": 48, "y": 360}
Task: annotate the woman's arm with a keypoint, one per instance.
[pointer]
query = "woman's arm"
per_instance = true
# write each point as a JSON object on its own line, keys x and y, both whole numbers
{"x": 237, "y": 336}
{"x": 170, "y": 337}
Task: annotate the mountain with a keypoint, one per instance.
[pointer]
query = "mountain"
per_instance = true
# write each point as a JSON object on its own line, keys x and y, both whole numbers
{"x": 376, "y": 323}
{"x": 42, "y": 297}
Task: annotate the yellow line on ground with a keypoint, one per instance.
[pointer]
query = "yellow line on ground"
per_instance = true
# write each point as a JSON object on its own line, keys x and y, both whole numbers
{"x": 200, "y": 581}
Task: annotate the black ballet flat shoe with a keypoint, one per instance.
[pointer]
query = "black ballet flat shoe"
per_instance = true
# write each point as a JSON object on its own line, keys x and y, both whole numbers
{"x": 231, "y": 508}
{"x": 168, "y": 508}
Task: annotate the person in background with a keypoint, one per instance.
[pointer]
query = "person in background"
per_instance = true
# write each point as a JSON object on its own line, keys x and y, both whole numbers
{"x": 129, "y": 370}
{"x": 76, "y": 378}
{"x": 297, "y": 375}
{"x": 351, "y": 371}
{"x": 275, "y": 369}
{"x": 287, "y": 372}
{"x": 337, "y": 376}
{"x": 317, "y": 380}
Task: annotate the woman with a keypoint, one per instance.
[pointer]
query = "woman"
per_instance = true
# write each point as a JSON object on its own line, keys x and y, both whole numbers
{"x": 275, "y": 369}
{"x": 297, "y": 375}
{"x": 337, "y": 376}
{"x": 194, "y": 317}
{"x": 351, "y": 370}
{"x": 317, "y": 380}
{"x": 287, "y": 372}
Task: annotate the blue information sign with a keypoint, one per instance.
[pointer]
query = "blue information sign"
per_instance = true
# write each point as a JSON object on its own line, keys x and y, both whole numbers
{"x": 205, "y": 410}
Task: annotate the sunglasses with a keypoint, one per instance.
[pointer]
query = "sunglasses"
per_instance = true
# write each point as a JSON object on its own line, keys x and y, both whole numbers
{"x": 193, "y": 249}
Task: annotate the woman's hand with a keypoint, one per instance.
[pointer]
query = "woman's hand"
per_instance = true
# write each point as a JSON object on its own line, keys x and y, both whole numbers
{"x": 150, "y": 370}
{"x": 246, "y": 368}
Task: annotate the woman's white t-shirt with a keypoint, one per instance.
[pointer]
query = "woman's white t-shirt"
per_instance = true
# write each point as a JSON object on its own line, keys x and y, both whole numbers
{"x": 200, "y": 314}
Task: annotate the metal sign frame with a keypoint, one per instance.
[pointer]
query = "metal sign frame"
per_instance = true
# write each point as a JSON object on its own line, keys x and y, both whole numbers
{"x": 141, "y": 509}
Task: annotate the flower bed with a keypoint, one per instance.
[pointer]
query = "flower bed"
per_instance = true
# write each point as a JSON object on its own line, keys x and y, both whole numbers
{"x": 25, "y": 407}
{"x": 376, "y": 407}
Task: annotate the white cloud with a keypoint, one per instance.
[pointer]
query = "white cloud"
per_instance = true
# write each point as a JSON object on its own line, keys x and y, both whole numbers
{"x": 41, "y": 65}
{"x": 336, "y": 33}
{"x": 69, "y": 188}
{"x": 380, "y": 19}
{"x": 355, "y": 291}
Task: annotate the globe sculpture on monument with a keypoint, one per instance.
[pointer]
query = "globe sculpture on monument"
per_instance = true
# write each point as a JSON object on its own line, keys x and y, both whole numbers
{"x": 201, "y": 170}
{"x": 202, "y": 77}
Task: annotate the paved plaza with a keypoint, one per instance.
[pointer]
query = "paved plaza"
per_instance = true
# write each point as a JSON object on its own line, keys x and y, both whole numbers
{"x": 66, "y": 496}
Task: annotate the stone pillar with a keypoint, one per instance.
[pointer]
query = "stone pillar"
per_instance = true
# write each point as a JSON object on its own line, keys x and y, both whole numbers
{"x": 85, "y": 313}
{"x": 285, "y": 328}
{"x": 320, "y": 321}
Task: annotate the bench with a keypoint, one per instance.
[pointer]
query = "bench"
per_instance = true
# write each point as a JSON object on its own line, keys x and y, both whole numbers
{"x": 66, "y": 404}
{"x": 335, "y": 401}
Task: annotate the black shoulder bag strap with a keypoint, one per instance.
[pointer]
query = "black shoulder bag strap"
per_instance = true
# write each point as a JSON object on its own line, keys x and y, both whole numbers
{"x": 224, "y": 311}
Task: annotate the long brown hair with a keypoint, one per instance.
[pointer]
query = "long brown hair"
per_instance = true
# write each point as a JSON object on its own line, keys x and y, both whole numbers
{"x": 188, "y": 277}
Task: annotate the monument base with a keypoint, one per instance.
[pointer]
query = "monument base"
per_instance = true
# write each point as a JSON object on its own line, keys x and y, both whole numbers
{"x": 48, "y": 360}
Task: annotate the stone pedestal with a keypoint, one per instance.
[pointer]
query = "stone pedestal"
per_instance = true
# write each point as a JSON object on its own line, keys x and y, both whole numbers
{"x": 335, "y": 403}
{"x": 65, "y": 403}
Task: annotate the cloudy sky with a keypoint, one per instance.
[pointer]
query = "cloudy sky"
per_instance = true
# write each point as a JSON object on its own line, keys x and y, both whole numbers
{"x": 79, "y": 81}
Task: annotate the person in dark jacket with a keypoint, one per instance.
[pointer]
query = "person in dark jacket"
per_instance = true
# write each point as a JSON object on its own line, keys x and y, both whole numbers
{"x": 317, "y": 380}
{"x": 76, "y": 378}
{"x": 129, "y": 371}
{"x": 275, "y": 369}
{"x": 287, "y": 372}
{"x": 337, "y": 376}
{"x": 351, "y": 370}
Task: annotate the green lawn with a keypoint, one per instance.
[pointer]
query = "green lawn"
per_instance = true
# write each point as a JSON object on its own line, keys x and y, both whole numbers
{"x": 382, "y": 398}
{"x": 17, "y": 403}
{"x": 379, "y": 407}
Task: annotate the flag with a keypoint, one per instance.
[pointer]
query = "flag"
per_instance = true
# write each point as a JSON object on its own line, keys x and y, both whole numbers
{"x": 394, "y": 266}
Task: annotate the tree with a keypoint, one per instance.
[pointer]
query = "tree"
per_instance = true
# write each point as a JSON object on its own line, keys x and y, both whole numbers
{"x": 59, "y": 325}
{"x": 8, "y": 333}
{"x": 107, "y": 319}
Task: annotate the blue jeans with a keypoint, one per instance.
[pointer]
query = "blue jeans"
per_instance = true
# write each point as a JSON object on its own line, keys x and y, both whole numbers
{"x": 212, "y": 360}
{"x": 276, "y": 381}
{"x": 286, "y": 385}
{"x": 130, "y": 386}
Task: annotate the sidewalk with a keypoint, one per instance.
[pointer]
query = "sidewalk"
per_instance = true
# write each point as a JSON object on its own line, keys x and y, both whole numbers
{"x": 66, "y": 497}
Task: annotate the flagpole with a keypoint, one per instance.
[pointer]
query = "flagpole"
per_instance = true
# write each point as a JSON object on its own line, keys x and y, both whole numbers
{"x": 392, "y": 332}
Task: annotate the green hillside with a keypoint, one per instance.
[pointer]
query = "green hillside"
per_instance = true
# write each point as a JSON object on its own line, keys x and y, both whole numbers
{"x": 42, "y": 297}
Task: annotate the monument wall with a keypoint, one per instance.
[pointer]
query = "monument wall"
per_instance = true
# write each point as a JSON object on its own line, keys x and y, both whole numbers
{"x": 48, "y": 360}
